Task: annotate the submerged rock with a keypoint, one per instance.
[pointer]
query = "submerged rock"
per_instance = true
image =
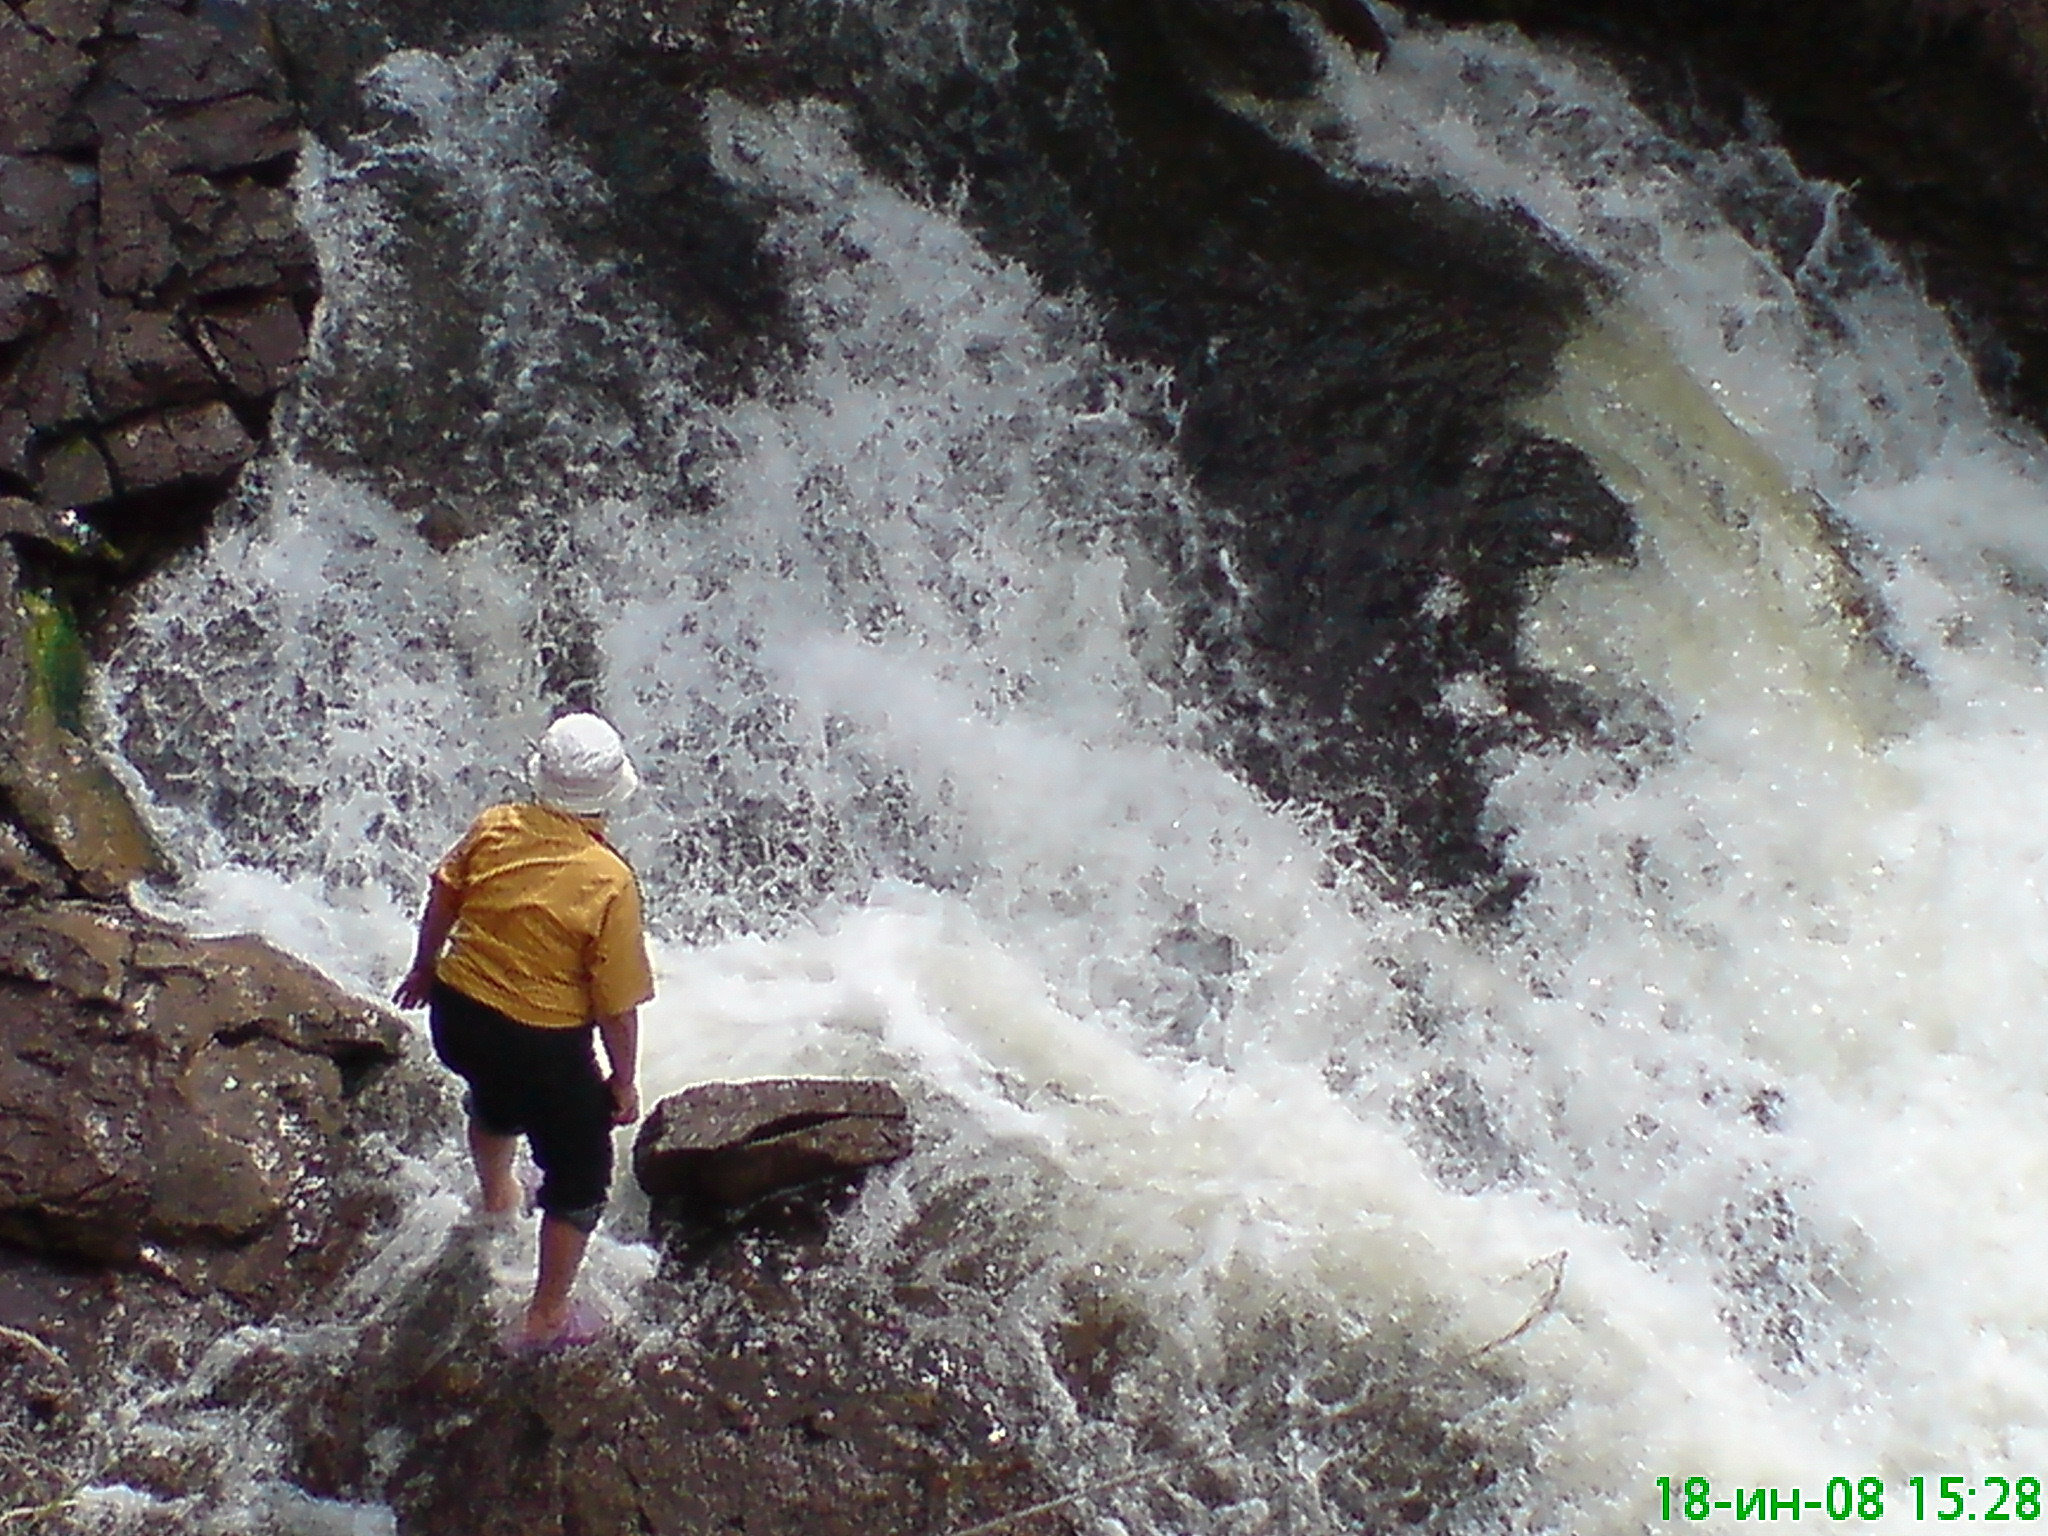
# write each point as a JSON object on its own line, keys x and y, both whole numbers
{"x": 1345, "y": 357}
{"x": 71, "y": 1337}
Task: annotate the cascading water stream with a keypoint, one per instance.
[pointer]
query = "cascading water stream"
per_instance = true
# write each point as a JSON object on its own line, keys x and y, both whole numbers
{"x": 1714, "y": 1158}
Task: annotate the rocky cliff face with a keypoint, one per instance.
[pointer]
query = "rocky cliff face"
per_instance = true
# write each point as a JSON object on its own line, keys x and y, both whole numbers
{"x": 154, "y": 285}
{"x": 154, "y": 295}
{"x": 208, "y": 1130}
{"x": 181, "y": 1120}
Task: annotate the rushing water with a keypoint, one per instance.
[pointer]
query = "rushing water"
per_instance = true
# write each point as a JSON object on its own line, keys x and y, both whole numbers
{"x": 1718, "y": 1157}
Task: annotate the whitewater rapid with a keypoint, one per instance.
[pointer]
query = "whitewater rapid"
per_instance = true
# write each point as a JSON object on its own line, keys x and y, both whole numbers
{"x": 1717, "y": 1158}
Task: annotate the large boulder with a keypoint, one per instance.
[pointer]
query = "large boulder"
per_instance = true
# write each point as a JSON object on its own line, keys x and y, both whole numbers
{"x": 722, "y": 1146}
{"x": 179, "y": 1105}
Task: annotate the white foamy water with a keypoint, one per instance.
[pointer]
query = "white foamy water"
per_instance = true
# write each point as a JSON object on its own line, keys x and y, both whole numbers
{"x": 1717, "y": 1159}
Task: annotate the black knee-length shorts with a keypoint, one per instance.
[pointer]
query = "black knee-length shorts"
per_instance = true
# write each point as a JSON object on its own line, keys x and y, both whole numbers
{"x": 539, "y": 1083}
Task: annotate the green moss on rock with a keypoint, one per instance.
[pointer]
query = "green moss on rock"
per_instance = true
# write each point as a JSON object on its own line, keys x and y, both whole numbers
{"x": 58, "y": 667}
{"x": 53, "y": 782}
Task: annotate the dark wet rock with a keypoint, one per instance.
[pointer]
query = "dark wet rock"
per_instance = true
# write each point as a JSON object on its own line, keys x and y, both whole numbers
{"x": 154, "y": 295}
{"x": 424, "y": 405}
{"x": 138, "y": 248}
{"x": 143, "y": 361}
{"x": 27, "y": 301}
{"x": 239, "y": 133}
{"x": 698, "y": 244}
{"x": 64, "y": 1332}
{"x": 257, "y": 245}
{"x": 175, "y": 58}
{"x": 71, "y": 1336}
{"x": 52, "y": 784}
{"x": 1348, "y": 359}
{"x": 722, "y": 1146}
{"x": 64, "y": 21}
{"x": 776, "y": 1407}
{"x": 176, "y": 1103}
{"x": 1254, "y": 45}
{"x": 170, "y": 237}
{"x": 254, "y": 347}
{"x": 29, "y": 520}
{"x": 326, "y": 46}
{"x": 417, "y": 411}
{"x": 142, "y": 159}
{"x": 39, "y": 77}
{"x": 201, "y": 442}
{"x": 52, "y": 384}
{"x": 770, "y": 1383}
{"x": 39, "y": 197}
{"x": 73, "y": 472}
{"x": 24, "y": 871}
{"x": 16, "y": 435}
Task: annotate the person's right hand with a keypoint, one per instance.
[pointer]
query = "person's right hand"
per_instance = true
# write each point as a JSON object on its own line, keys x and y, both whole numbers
{"x": 415, "y": 988}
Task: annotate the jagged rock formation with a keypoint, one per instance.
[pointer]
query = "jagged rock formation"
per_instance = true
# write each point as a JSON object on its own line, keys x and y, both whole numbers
{"x": 155, "y": 290}
{"x": 167, "y": 1101}
{"x": 154, "y": 283}
{"x": 180, "y": 1119}
{"x": 184, "y": 1146}
{"x": 163, "y": 1095}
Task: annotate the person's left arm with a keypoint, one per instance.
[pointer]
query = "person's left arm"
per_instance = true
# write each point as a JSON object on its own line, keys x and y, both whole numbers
{"x": 620, "y": 1033}
{"x": 621, "y": 980}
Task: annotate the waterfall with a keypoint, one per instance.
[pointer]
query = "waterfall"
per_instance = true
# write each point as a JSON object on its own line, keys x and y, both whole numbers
{"x": 1714, "y": 1157}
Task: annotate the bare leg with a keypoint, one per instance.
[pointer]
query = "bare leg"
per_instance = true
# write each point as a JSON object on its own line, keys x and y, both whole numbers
{"x": 493, "y": 1157}
{"x": 561, "y": 1255}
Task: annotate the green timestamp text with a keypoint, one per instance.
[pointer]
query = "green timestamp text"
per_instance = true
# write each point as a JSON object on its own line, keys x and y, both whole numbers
{"x": 1989, "y": 1499}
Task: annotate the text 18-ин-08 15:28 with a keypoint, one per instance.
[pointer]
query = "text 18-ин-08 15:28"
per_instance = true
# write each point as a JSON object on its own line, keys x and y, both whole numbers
{"x": 1946, "y": 1498}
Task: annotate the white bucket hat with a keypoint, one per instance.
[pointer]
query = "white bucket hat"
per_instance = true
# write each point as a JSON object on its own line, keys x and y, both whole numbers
{"x": 580, "y": 766}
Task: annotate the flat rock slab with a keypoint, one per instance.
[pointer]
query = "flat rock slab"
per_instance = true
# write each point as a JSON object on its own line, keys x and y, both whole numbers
{"x": 722, "y": 1146}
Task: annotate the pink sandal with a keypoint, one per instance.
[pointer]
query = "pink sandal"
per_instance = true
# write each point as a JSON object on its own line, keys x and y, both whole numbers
{"x": 586, "y": 1324}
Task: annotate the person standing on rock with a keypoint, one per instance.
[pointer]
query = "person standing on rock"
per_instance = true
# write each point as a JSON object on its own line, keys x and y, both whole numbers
{"x": 540, "y": 919}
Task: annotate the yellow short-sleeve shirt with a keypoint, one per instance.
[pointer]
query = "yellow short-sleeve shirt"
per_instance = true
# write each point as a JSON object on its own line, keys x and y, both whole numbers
{"x": 547, "y": 919}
